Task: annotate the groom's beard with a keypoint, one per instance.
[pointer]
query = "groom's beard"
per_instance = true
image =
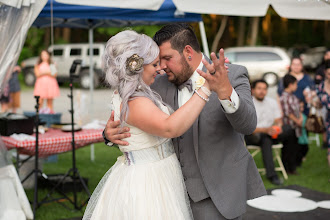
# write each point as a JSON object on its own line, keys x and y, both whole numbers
{"x": 184, "y": 75}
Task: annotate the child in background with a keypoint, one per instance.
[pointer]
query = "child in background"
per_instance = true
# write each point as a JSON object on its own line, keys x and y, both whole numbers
{"x": 46, "y": 85}
{"x": 303, "y": 138}
{"x": 292, "y": 117}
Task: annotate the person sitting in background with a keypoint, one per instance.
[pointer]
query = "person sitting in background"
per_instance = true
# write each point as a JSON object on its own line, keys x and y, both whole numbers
{"x": 291, "y": 117}
{"x": 319, "y": 75}
{"x": 323, "y": 92}
{"x": 269, "y": 118}
{"x": 46, "y": 85}
{"x": 14, "y": 89}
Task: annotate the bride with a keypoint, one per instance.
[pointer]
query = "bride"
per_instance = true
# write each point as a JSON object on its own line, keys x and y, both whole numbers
{"x": 146, "y": 182}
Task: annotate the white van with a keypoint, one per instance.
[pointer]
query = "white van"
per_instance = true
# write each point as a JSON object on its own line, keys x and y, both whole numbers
{"x": 268, "y": 63}
{"x": 63, "y": 57}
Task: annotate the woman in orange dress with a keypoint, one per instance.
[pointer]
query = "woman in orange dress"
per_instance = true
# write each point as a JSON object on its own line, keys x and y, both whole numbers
{"x": 46, "y": 85}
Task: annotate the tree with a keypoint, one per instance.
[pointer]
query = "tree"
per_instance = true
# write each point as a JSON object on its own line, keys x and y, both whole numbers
{"x": 219, "y": 34}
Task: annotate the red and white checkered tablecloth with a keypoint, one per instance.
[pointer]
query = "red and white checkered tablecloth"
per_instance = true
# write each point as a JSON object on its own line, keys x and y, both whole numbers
{"x": 55, "y": 141}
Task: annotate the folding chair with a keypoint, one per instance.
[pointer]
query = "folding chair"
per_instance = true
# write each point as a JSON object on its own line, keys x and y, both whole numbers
{"x": 254, "y": 149}
{"x": 315, "y": 137}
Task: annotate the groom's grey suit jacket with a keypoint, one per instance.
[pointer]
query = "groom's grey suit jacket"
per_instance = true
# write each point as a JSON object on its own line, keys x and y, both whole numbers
{"x": 228, "y": 171}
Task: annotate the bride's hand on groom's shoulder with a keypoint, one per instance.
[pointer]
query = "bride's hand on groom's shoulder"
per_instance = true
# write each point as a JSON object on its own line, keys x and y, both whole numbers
{"x": 114, "y": 133}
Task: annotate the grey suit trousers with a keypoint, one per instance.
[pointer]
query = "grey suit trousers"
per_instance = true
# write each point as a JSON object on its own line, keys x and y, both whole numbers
{"x": 206, "y": 210}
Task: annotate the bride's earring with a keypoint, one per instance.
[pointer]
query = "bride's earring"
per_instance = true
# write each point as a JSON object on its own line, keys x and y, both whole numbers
{"x": 189, "y": 58}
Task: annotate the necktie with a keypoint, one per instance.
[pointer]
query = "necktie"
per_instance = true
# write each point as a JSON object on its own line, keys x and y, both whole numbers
{"x": 187, "y": 84}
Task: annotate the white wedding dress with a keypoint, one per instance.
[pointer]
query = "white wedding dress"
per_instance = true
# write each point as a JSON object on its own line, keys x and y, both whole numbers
{"x": 145, "y": 183}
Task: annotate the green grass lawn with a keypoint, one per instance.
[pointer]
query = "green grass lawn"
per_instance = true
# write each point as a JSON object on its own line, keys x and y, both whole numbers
{"x": 105, "y": 157}
{"x": 313, "y": 174}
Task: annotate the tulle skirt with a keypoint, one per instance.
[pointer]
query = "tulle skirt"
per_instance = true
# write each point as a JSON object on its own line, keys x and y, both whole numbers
{"x": 46, "y": 87}
{"x": 153, "y": 190}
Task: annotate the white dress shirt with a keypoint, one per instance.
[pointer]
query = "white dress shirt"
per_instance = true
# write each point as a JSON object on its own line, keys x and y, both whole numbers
{"x": 267, "y": 111}
{"x": 230, "y": 106}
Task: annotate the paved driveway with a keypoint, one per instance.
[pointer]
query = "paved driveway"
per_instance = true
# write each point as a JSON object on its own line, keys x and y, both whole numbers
{"x": 85, "y": 109}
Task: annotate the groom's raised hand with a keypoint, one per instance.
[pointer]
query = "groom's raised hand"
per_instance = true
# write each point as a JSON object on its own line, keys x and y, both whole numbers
{"x": 219, "y": 81}
{"x": 114, "y": 133}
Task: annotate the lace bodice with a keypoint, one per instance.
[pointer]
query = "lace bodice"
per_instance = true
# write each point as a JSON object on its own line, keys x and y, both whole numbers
{"x": 138, "y": 139}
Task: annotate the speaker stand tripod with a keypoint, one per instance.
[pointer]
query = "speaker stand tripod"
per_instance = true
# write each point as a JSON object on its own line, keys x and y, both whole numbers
{"x": 73, "y": 172}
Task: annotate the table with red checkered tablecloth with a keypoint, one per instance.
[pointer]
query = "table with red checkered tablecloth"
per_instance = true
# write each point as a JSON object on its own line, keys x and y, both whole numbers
{"x": 55, "y": 141}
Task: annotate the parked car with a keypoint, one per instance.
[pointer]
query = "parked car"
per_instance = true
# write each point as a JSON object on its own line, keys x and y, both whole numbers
{"x": 313, "y": 57}
{"x": 268, "y": 63}
{"x": 63, "y": 56}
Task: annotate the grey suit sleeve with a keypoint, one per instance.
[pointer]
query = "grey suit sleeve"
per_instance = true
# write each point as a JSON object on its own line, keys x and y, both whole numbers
{"x": 244, "y": 120}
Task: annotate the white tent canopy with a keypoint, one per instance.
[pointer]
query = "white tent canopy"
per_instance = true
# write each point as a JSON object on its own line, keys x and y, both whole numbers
{"x": 293, "y": 9}
{"x": 224, "y": 7}
{"x": 308, "y": 9}
{"x": 132, "y": 4}
{"x": 17, "y": 3}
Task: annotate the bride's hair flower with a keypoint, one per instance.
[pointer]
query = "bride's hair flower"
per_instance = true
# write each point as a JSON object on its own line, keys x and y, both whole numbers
{"x": 134, "y": 64}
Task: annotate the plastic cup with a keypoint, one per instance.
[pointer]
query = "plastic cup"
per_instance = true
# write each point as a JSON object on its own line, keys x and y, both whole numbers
{"x": 277, "y": 129}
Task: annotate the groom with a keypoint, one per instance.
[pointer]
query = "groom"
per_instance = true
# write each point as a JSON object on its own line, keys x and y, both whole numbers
{"x": 219, "y": 173}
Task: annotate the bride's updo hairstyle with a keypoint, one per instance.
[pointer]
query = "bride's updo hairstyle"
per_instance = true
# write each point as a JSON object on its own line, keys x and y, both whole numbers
{"x": 125, "y": 55}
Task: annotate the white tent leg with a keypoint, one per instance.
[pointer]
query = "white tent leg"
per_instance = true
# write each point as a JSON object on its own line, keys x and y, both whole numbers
{"x": 92, "y": 153}
{"x": 91, "y": 72}
{"x": 91, "y": 85}
{"x": 204, "y": 39}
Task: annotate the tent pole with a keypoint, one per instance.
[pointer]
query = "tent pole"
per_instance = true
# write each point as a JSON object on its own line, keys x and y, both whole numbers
{"x": 91, "y": 80}
{"x": 91, "y": 54}
{"x": 52, "y": 27}
{"x": 204, "y": 39}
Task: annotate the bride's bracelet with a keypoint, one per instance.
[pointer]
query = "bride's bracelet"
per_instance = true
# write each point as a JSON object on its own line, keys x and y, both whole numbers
{"x": 205, "y": 99}
{"x": 206, "y": 91}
